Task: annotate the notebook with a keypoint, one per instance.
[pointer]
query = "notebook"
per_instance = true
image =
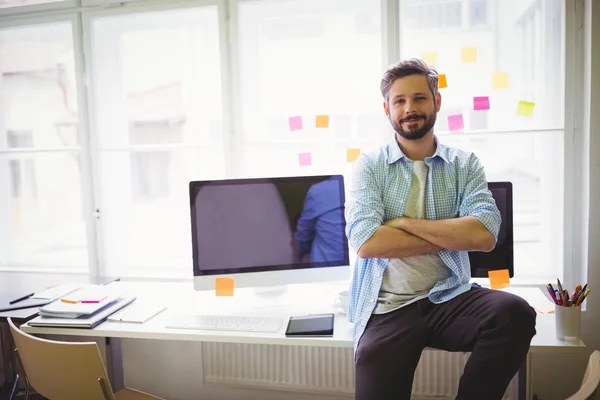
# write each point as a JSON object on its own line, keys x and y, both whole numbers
{"x": 84, "y": 321}
{"x": 310, "y": 325}
{"x": 139, "y": 312}
{"x": 86, "y": 300}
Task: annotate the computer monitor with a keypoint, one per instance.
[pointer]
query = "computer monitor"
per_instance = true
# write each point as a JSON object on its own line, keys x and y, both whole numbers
{"x": 269, "y": 231}
{"x": 502, "y": 257}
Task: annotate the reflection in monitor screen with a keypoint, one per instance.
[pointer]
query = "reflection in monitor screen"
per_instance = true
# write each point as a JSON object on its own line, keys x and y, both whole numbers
{"x": 264, "y": 225}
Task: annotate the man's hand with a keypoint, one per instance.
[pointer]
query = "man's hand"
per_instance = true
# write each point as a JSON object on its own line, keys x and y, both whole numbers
{"x": 461, "y": 234}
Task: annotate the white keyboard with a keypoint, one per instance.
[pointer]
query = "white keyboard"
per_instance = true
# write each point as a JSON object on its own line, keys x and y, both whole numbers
{"x": 225, "y": 323}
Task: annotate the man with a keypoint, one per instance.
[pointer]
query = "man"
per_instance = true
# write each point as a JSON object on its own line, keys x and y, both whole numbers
{"x": 417, "y": 207}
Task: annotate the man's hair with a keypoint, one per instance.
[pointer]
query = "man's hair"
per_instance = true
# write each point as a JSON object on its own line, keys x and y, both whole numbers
{"x": 412, "y": 66}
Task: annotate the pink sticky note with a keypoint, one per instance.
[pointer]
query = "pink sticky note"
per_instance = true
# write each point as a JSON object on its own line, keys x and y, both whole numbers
{"x": 295, "y": 123}
{"x": 304, "y": 159}
{"x": 481, "y": 103}
{"x": 455, "y": 122}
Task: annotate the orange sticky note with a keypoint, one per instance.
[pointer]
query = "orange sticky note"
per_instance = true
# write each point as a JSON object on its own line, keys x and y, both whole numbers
{"x": 322, "y": 121}
{"x": 442, "y": 81}
{"x": 224, "y": 286}
{"x": 499, "y": 278}
{"x": 352, "y": 154}
{"x": 469, "y": 55}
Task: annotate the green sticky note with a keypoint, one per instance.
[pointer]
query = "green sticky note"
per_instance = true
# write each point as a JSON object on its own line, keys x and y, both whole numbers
{"x": 525, "y": 108}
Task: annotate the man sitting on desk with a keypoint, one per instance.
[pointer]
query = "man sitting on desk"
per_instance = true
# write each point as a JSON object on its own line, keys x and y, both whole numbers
{"x": 417, "y": 207}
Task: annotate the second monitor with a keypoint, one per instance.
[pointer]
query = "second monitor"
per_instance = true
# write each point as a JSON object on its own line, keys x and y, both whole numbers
{"x": 269, "y": 231}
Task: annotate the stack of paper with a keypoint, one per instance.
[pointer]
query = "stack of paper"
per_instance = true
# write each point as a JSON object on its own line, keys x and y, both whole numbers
{"x": 85, "y": 307}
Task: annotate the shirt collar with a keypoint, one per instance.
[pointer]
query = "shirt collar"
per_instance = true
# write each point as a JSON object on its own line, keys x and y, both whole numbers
{"x": 395, "y": 153}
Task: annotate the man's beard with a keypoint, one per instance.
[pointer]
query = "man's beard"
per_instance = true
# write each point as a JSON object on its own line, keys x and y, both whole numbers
{"x": 414, "y": 132}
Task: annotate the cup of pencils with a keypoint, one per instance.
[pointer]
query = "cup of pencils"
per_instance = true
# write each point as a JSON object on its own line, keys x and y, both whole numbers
{"x": 567, "y": 309}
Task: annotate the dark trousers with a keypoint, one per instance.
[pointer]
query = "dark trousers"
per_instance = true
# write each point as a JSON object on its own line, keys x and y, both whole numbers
{"x": 495, "y": 326}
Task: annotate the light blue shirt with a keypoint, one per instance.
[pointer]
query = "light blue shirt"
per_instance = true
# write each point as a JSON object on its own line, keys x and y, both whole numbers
{"x": 456, "y": 187}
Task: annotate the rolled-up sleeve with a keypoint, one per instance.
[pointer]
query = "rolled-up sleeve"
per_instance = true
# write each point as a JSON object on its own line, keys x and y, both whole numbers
{"x": 365, "y": 211}
{"x": 477, "y": 200}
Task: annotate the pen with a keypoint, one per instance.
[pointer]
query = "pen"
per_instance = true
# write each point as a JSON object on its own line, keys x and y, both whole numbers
{"x": 551, "y": 292}
{"x": 21, "y": 298}
{"x": 582, "y": 297}
{"x": 560, "y": 288}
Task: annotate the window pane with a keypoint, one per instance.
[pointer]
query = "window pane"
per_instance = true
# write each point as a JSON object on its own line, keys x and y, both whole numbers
{"x": 159, "y": 124}
{"x": 302, "y": 59}
{"x": 41, "y": 217}
{"x": 18, "y": 3}
{"x": 44, "y": 226}
{"x": 523, "y": 46}
{"x": 38, "y": 78}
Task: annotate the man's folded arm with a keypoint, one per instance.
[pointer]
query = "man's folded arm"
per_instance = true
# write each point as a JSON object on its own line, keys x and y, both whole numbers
{"x": 461, "y": 234}
{"x": 478, "y": 222}
{"x": 364, "y": 214}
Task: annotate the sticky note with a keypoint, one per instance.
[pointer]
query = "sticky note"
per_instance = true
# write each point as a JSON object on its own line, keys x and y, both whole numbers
{"x": 295, "y": 123}
{"x": 442, "y": 81}
{"x": 304, "y": 159}
{"x": 322, "y": 121}
{"x": 481, "y": 103}
{"x": 224, "y": 286}
{"x": 455, "y": 122}
{"x": 352, "y": 154}
{"x": 500, "y": 80}
{"x": 499, "y": 278}
{"x": 469, "y": 55}
{"x": 430, "y": 57}
{"x": 525, "y": 108}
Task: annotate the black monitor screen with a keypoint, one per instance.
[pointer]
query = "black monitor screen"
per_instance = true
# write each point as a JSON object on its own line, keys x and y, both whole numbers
{"x": 256, "y": 225}
{"x": 502, "y": 256}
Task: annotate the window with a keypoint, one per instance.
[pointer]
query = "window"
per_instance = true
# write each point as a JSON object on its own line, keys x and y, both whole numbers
{"x": 159, "y": 124}
{"x": 251, "y": 88}
{"x": 530, "y": 152}
{"x": 41, "y": 215}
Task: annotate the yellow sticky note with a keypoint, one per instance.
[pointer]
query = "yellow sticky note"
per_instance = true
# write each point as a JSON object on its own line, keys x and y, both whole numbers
{"x": 352, "y": 154}
{"x": 442, "y": 81}
{"x": 469, "y": 55}
{"x": 500, "y": 80}
{"x": 430, "y": 57}
{"x": 525, "y": 108}
{"x": 499, "y": 278}
{"x": 224, "y": 286}
{"x": 322, "y": 121}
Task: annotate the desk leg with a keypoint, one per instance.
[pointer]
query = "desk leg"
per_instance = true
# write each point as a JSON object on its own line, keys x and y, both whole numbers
{"x": 8, "y": 356}
{"x": 114, "y": 363}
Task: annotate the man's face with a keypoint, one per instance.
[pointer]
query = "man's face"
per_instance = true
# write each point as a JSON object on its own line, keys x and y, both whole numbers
{"x": 411, "y": 107}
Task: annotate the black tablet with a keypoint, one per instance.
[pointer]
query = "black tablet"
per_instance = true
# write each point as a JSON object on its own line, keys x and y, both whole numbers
{"x": 310, "y": 325}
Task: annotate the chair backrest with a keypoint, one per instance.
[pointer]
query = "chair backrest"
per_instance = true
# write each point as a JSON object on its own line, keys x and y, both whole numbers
{"x": 62, "y": 370}
{"x": 591, "y": 379}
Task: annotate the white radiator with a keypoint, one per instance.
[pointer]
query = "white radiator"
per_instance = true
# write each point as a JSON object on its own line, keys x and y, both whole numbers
{"x": 327, "y": 370}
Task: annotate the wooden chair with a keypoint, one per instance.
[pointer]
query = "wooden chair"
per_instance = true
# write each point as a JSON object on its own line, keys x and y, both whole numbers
{"x": 591, "y": 379}
{"x": 66, "y": 370}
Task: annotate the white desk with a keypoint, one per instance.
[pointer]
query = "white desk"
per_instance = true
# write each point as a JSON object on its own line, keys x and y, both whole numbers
{"x": 319, "y": 301}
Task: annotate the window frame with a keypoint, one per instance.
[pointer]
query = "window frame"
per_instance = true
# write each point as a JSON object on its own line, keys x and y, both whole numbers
{"x": 38, "y": 8}
{"x": 74, "y": 18}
